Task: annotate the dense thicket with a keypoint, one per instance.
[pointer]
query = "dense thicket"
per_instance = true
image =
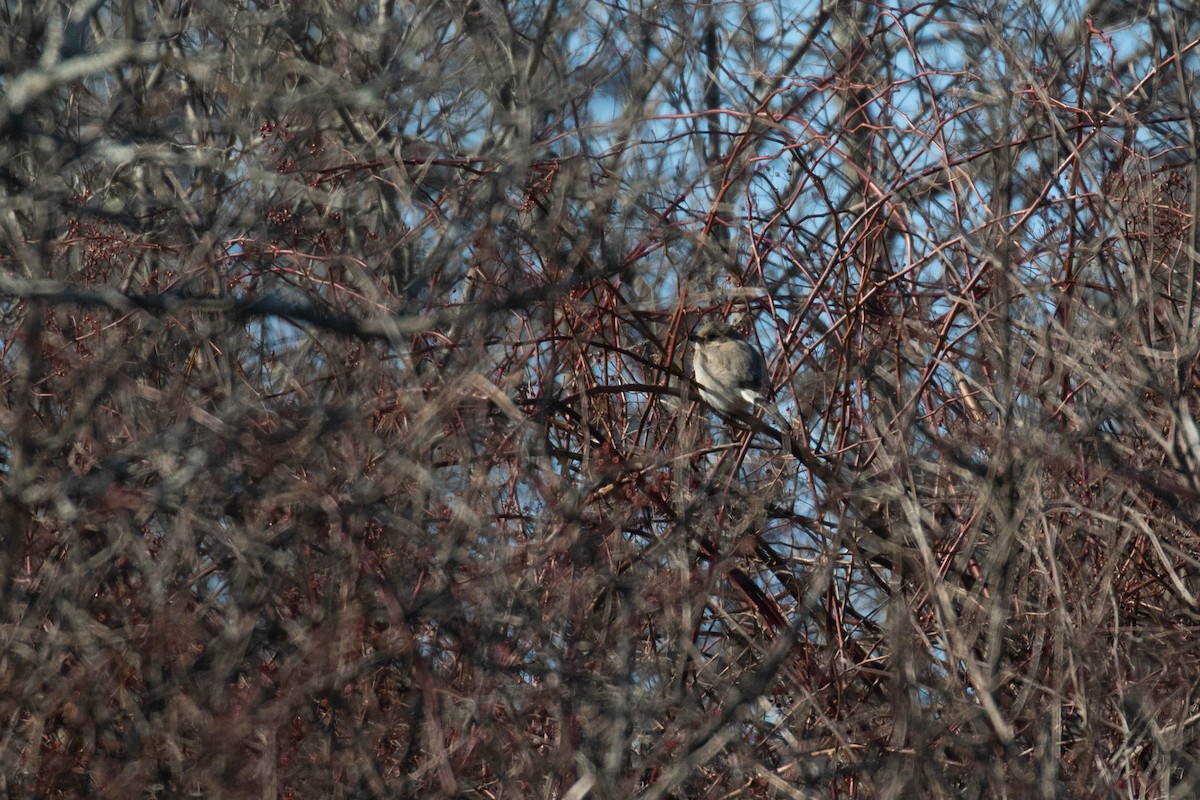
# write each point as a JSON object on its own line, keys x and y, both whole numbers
{"x": 347, "y": 447}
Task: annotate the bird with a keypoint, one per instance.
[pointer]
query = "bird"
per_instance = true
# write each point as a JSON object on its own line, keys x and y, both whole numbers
{"x": 732, "y": 375}
{"x": 731, "y": 371}
{"x": 728, "y": 369}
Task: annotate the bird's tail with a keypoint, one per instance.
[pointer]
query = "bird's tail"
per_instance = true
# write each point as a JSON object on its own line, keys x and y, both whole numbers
{"x": 781, "y": 424}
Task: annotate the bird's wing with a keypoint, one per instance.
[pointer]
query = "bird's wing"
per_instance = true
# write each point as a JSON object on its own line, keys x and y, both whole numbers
{"x": 754, "y": 369}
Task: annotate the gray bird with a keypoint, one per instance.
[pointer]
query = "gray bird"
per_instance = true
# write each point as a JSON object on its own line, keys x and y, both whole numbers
{"x": 731, "y": 373}
{"x": 728, "y": 369}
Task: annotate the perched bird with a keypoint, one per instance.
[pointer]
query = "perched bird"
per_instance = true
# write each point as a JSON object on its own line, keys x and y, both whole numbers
{"x": 728, "y": 369}
{"x": 732, "y": 375}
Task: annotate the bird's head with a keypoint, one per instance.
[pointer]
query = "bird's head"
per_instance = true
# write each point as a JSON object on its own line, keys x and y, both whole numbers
{"x": 715, "y": 331}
